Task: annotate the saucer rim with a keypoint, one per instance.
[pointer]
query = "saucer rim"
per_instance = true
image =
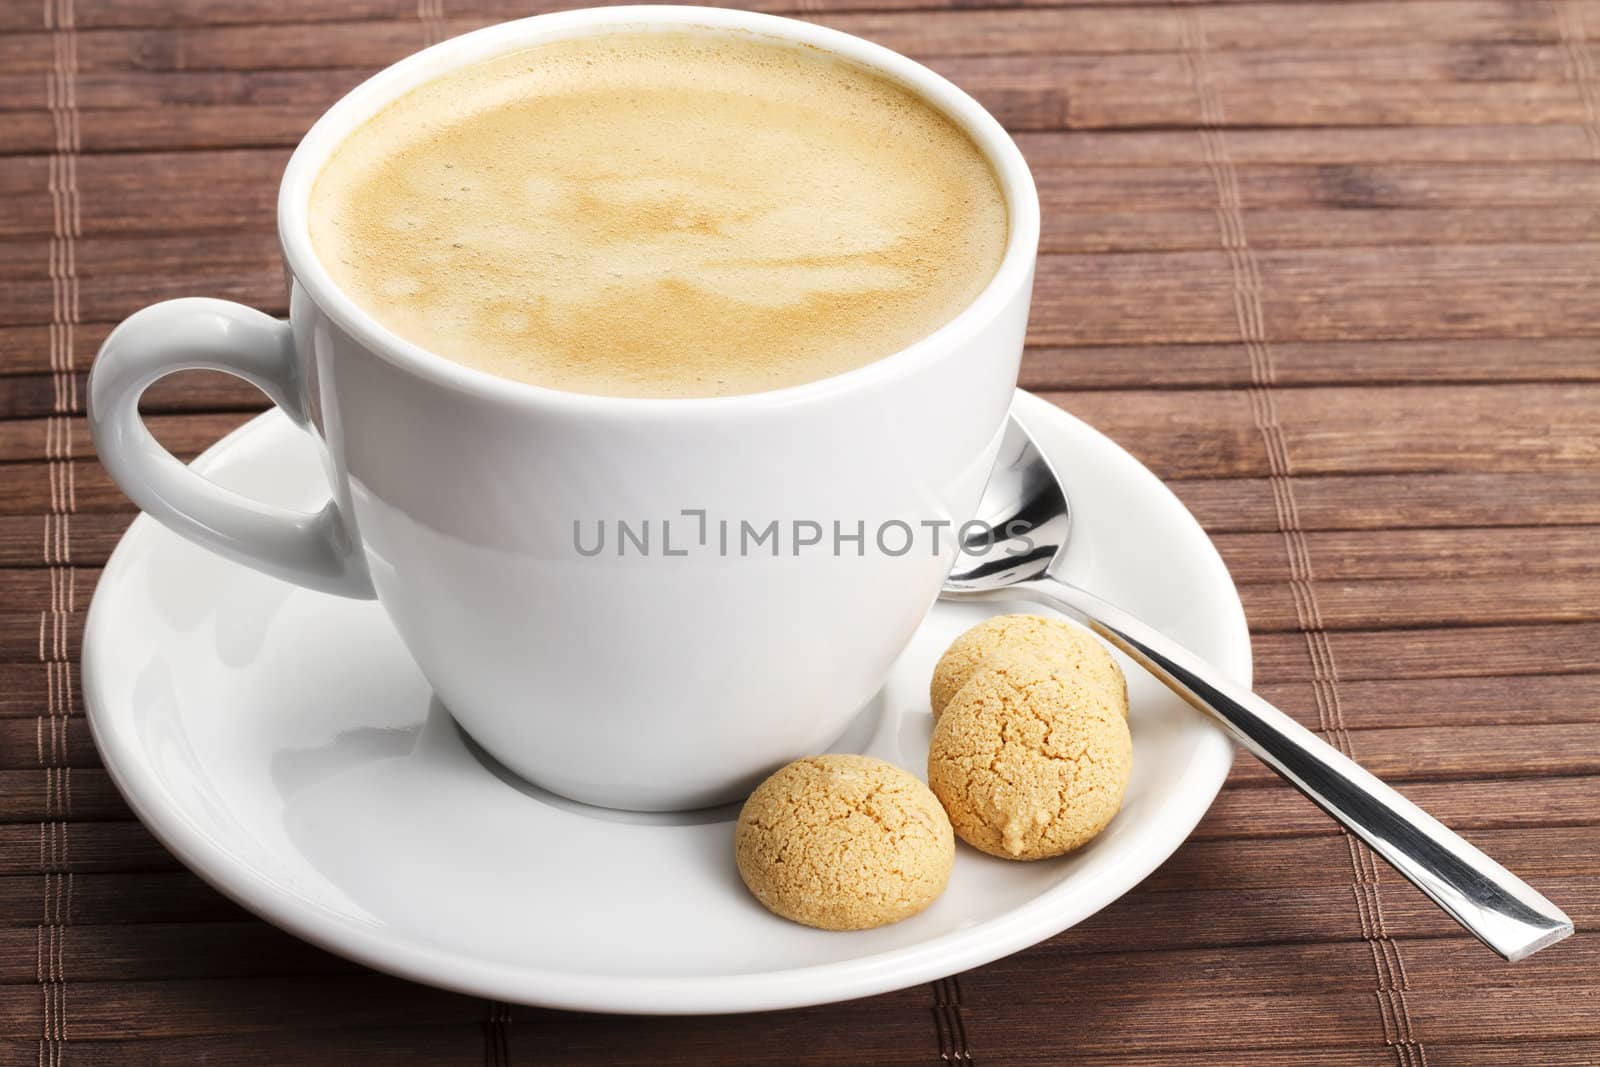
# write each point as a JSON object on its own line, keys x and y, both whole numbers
{"x": 1054, "y": 910}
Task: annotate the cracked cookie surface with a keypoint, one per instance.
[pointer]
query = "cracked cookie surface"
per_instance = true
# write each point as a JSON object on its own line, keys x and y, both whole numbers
{"x": 844, "y": 842}
{"x": 1029, "y": 760}
{"x": 1055, "y": 641}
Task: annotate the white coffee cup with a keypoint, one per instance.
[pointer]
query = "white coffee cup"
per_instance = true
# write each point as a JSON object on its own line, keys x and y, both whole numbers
{"x": 647, "y": 675}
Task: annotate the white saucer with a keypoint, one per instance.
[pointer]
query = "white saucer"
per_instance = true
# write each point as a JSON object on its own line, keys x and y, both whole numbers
{"x": 282, "y": 744}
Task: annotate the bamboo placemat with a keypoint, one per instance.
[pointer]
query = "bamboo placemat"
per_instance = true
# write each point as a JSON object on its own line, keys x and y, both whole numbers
{"x": 1330, "y": 268}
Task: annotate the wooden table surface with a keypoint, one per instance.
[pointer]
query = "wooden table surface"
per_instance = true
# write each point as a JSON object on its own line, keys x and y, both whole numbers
{"x": 1329, "y": 268}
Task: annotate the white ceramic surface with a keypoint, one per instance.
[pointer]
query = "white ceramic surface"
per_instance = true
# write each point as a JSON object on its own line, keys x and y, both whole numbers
{"x": 283, "y": 744}
{"x": 455, "y": 493}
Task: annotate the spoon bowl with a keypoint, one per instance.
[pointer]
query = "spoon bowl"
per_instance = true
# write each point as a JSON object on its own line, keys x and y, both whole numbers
{"x": 1025, "y": 517}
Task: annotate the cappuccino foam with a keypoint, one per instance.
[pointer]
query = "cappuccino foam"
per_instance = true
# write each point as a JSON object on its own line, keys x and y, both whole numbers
{"x": 661, "y": 215}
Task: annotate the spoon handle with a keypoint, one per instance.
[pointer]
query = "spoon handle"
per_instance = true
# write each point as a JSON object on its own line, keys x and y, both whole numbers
{"x": 1500, "y": 909}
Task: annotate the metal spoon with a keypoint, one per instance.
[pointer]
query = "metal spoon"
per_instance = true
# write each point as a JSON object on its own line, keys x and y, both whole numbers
{"x": 1028, "y": 518}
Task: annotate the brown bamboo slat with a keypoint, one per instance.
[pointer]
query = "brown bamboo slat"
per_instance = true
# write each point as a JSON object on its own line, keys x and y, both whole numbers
{"x": 121, "y": 131}
{"x": 1511, "y": 700}
{"x": 61, "y": 847}
{"x": 1405, "y": 603}
{"x": 1410, "y": 753}
{"x": 1016, "y": 80}
{"x": 1177, "y": 231}
{"x": 52, "y": 793}
{"x": 28, "y": 349}
{"x": 1468, "y": 291}
{"x": 107, "y": 257}
{"x": 152, "y": 89}
{"x": 1323, "y": 145}
{"x": 35, "y": 397}
{"x": 85, "y": 898}
{"x": 1368, "y": 22}
{"x": 91, "y": 14}
{"x": 1476, "y": 804}
{"x": 895, "y": 1019}
{"x": 1386, "y": 185}
{"x": 1279, "y": 863}
{"x": 400, "y": 1045}
{"x": 1469, "y": 652}
{"x": 1502, "y": 18}
{"x": 26, "y": 743}
{"x": 1385, "y": 362}
{"x": 188, "y": 434}
{"x": 42, "y": 589}
{"x": 247, "y": 1004}
{"x": 1373, "y": 28}
{"x": 1384, "y": 554}
{"x": 36, "y": 539}
{"x": 265, "y": 1005}
{"x": 1267, "y": 969}
{"x": 1403, "y": 501}
{"x": 1363, "y": 430}
{"x": 1285, "y": 1020}
{"x": 245, "y": 48}
{"x": 1461, "y": 701}
{"x": 153, "y": 951}
{"x": 1067, "y": 92}
{"x": 1576, "y": 1053}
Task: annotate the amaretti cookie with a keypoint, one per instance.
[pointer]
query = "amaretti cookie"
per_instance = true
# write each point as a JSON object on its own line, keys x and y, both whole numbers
{"x": 1029, "y": 759}
{"x": 1055, "y": 641}
{"x": 844, "y": 842}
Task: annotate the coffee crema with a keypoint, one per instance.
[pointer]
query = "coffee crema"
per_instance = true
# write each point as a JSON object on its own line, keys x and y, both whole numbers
{"x": 664, "y": 214}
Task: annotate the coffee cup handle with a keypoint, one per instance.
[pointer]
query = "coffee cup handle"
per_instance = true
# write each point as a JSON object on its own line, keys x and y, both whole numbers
{"x": 315, "y": 549}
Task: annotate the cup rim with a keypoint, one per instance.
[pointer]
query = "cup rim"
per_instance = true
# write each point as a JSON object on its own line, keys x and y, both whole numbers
{"x": 371, "y": 96}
